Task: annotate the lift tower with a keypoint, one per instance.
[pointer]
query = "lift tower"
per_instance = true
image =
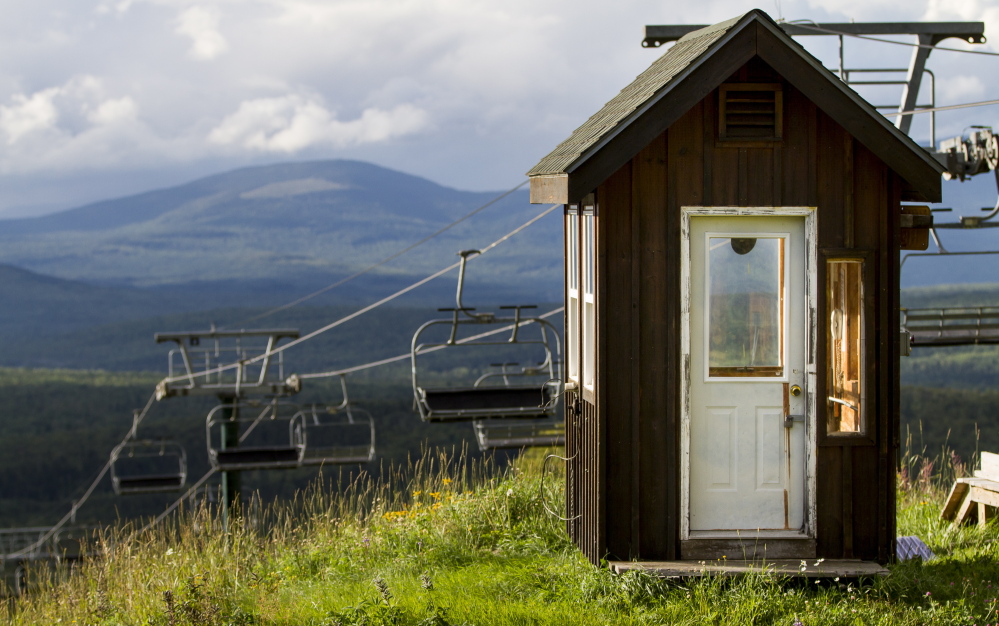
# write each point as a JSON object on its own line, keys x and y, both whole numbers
{"x": 229, "y": 364}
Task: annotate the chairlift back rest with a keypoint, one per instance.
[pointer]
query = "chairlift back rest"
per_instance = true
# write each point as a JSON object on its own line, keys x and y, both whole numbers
{"x": 953, "y": 327}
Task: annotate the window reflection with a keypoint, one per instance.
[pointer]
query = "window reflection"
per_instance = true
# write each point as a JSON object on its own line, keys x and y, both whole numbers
{"x": 746, "y": 306}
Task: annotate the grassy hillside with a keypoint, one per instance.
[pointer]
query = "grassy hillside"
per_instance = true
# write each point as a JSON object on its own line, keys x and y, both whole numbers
{"x": 446, "y": 543}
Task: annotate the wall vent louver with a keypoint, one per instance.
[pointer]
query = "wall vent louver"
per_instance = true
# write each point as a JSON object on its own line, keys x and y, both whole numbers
{"x": 750, "y": 112}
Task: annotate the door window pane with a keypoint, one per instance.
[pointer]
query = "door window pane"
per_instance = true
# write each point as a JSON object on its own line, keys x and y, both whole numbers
{"x": 844, "y": 300}
{"x": 746, "y": 306}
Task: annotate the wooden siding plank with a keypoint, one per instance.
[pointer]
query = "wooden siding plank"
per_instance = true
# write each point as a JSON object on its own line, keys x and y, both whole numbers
{"x": 830, "y": 169}
{"x": 829, "y": 496}
{"x": 651, "y": 388}
{"x": 615, "y": 357}
{"x": 799, "y": 158}
{"x": 760, "y": 173}
{"x": 868, "y": 516}
{"x": 684, "y": 189}
{"x": 724, "y": 177}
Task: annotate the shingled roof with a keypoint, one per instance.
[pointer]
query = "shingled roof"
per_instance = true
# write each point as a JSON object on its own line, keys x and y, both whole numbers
{"x": 668, "y": 88}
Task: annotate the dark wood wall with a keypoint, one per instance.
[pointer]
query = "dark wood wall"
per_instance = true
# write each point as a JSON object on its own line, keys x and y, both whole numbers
{"x": 626, "y": 483}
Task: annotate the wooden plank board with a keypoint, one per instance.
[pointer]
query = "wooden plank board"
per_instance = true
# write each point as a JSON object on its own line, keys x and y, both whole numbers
{"x": 747, "y": 548}
{"x": 961, "y": 487}
{"x": 616, "y": 210}
{"x": 990, "y": 467}
{"x": 651, "y": 392}
{"x": 826, "y": 568}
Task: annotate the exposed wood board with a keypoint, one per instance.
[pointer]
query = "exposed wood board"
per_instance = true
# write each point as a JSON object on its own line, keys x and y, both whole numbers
{"x": 550, "y": 189}
{"x": 954, "y": 500}
{"x": 850, "y": 111}
{"x": 989, "y": 466}
{"x": 989, "y": 496}
{"x": 827, "y": 568}
{"x": 750, "y": 549}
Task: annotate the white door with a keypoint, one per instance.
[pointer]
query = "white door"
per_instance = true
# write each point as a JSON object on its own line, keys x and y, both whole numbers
{"x": 747, "y": 379}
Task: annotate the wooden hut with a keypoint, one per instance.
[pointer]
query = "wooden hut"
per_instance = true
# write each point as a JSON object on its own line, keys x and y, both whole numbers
{"x": 732, "y": 224}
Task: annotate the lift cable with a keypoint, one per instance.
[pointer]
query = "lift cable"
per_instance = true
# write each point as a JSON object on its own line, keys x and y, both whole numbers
{"x": 363, "y": 310}
{"x": 187, "y": 494}
{"x": 343, "y": 281}
{"x": 136, "y": 419}
{"x": 141, "y": 415}
{"x": 348, "y": 370}
{"x": 812, "y": 26}
{"x": 949, "y": 107}
{"x": 403, "y": 357}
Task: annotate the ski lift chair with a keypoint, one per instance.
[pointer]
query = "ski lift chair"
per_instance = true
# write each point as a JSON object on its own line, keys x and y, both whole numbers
{"x": 148, "y": 466}
{"x": 492, "y": 434}
{"x": 267, "y": 436}
{"x": 338, "y": 435}
{"x": 481, "y": 399}
{"x": 956, "y": 326}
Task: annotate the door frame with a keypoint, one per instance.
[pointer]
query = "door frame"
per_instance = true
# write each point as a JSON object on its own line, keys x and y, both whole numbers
{"x": 811, "y": 336}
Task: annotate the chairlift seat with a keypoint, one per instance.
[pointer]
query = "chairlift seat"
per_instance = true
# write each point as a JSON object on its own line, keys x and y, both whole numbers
{"x": 467, "y": 403}
{"x": 149, "y": 484}
{"x": 148, "y": 466}
{"x": 537, "y": 433}
{"x": 278, "y": 457}
{"x": 342, "y": 455}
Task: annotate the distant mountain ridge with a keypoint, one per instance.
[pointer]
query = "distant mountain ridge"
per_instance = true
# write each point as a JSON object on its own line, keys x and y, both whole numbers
{"x": 308, "y": 222}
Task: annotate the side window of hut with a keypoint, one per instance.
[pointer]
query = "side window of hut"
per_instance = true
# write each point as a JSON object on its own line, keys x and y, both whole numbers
{"x": 845, "y": 343}
{"x": 572, "y": 295}
{"x": 589, "y": 339}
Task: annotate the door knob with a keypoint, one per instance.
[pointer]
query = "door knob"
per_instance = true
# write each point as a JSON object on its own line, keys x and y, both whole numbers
{"x": 795, "y": 390}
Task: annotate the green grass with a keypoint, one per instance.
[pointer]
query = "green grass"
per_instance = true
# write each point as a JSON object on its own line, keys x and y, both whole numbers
{"x": 444, "y": 541}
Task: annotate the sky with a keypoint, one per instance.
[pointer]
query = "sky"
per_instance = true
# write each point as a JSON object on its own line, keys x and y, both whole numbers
{"x": 106, "y": 98}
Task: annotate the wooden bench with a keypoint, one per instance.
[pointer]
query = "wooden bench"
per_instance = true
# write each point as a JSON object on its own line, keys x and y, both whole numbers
{"x": 976, "y": 497}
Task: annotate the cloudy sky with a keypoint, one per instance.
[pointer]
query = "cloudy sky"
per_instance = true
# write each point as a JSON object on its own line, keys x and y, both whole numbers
{"x": 111, "y": 97}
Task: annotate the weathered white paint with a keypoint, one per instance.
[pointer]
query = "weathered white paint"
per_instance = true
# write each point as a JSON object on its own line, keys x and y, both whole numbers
{"x": 803, "y": 443}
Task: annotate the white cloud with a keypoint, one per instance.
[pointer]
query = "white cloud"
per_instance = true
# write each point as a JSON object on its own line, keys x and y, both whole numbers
{"x": 114, "y": 110}
{"x": 960, "y": 88}
{"x": 201, "y": 25}
{"x": 292, "y": 123}
{"x": 28, "y": 114}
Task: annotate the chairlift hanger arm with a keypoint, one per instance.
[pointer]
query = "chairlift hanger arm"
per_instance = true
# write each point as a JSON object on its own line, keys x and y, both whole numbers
{"x": 277, "y": 333}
